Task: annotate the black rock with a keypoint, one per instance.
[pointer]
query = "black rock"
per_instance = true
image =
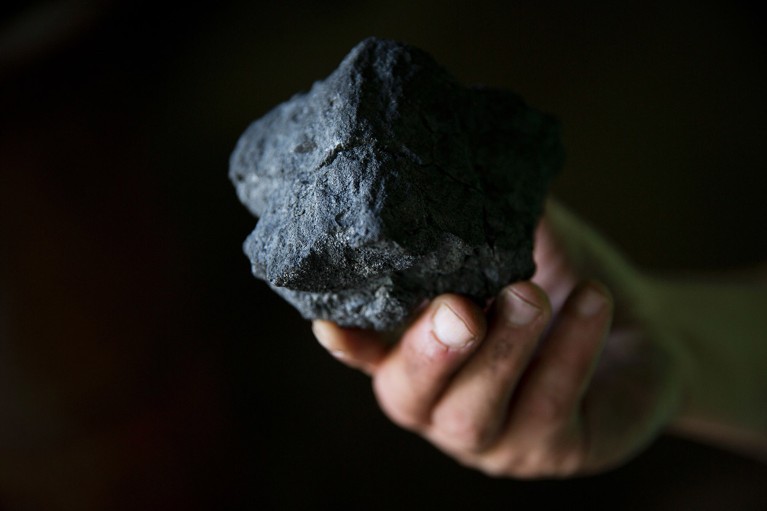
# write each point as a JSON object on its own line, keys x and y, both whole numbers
{"x": 389, "y": 183}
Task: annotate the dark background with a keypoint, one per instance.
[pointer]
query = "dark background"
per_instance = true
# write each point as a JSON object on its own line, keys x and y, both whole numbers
{"x": 141, "y": 367}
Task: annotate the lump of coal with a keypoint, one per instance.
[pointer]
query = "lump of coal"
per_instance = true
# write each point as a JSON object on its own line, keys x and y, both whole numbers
{"x": 389, "y": 183}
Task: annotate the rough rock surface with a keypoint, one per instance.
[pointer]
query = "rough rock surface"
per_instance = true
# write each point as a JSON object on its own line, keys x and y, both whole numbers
{"x": 389, "y": 183}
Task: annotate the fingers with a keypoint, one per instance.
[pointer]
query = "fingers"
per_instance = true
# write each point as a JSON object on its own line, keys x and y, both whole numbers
{"x": 418, "y": 369}
{"x": 472, "y": 410}
{"x": 357, "y": 348}
{"x": 558, "y": 379}
{"x": 544, "y": 435}
{"x": 505, "y": 399}
{"x": 554, "y": 271}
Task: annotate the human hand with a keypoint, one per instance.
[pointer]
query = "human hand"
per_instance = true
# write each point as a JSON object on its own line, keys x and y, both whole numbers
{"x": 559, "y": 376}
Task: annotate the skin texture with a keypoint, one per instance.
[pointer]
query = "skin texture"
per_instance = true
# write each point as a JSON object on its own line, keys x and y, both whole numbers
{"x": 571, "y": 373}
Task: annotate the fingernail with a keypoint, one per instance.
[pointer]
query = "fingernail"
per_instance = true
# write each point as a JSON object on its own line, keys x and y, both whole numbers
{"x": 519, "y": 311}
{"x": 450, "y": 329}
{"x": 590, "y": 302}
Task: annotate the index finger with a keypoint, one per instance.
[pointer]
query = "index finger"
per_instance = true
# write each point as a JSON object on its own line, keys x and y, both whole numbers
{"x": 360, "y": 349}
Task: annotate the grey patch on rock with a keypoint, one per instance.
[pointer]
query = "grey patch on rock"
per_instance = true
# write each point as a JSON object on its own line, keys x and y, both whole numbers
{"x": 389, "y": 183}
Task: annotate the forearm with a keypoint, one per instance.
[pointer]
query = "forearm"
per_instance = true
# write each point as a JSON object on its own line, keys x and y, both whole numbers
{"x": 721, "y": 332}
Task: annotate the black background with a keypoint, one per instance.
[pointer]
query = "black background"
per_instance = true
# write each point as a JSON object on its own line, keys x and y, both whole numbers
{"x": 141, "y": 367}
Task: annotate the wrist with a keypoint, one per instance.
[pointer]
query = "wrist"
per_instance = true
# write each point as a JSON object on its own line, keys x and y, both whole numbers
{"x": 662, "y": 327}
{"x": 719, "y": 350}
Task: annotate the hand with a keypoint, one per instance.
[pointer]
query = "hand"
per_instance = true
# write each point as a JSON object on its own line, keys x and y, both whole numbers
{"x": 559, "y": 376}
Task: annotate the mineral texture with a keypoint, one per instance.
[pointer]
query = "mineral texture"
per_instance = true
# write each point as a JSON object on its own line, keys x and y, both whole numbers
{"x": 389, "y": 183}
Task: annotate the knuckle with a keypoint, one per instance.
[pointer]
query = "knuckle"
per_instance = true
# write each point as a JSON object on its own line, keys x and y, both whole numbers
{"x": 533, "y": 468}
{"x": 535, "y": 465}
{"x": 551, "y": 462}
{"x": 401, "y": 416}
{"x": 494, "y": 470}
{"x": 571, "y": 461}
{"x": 498, "y": 466}
{"x": 549, "y": 406}
{"x": 461, "y": 429}
{"x": 539, "y": 463}
{"x": 568, "y": 466}
{"x": 399, "y": 409}
{"x": 516, "y": 465}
